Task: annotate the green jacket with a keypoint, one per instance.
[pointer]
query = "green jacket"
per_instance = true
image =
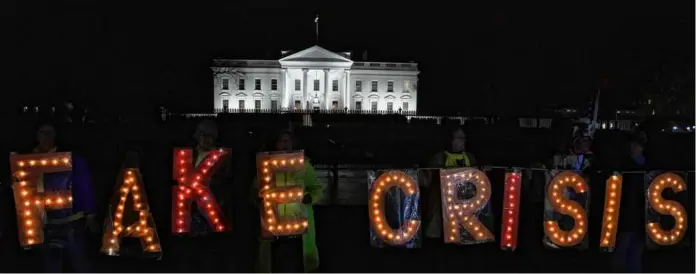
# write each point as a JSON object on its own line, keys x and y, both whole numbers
{"x": 307, "y": 177}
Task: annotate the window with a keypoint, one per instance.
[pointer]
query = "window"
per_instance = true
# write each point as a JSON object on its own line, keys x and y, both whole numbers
{"x": 334, "y": 85}
{"x": 390, "y": 86}
{"x": 358, "y": 86}
{"x": 274, "y": 104}
{"x": 241, "y": 83}
{"x": 225, "y": 104}
{"x": 316, "y": 85}
{"x": 390, "y": 106}
{"x": 241, "y": 104}
{"x": 257, "y": 104}
{"x": 407, "y": 86}
{"x": 298, "y": 85}
{"x": 374, "y": 86}
{"x": 274, "y": 84}
{"x": 374, "y": 106}
{"x": 257, "y": 84}
{"x": 225, "y": 83}
{"x": 298, "y": 104}
{"x": 405, "y": 106}
{"x": 358, "y": 105}
{"x": 334, "y": 105}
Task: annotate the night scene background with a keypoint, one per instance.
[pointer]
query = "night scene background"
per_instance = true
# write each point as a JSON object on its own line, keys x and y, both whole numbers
{"x": 523, "y": 72}
{"x": 504, "y": 58}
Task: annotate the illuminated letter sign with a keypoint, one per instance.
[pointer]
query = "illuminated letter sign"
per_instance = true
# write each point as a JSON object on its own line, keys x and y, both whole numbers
{"x": 140, "y": 225}
{"x": 275, "y": 193}
{"x": 193, "y": 187}
{"x": 31, "y": 200}
{"x": 511, "y": 210}
{"x": 659, "y": 205}
{"x": 378, "y": 190}
{"x": 558, "y": 201}
{"x": 612, "y": 204}
{"x": 461, "y": 211}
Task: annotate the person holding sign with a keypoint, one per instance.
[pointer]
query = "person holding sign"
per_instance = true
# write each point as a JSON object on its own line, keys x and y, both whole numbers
{"x": 631, "y": 228}
{"x": 201, "y": 203}
{"x": 454, "y": 156}
{"x": 65, "y": 228}
{"x": 296, "y": 253}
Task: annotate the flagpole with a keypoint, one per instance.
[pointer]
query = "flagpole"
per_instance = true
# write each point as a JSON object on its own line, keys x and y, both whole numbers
{"x": 316, "y": 24}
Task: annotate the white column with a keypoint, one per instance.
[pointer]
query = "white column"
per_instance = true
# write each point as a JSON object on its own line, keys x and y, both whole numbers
{"x": 304, "y": 89}
{"x": 283, "y": 90}
{"x": 327, "y": 88}
{"x": 289, "y": 89}
{"x": 346, "y": 90}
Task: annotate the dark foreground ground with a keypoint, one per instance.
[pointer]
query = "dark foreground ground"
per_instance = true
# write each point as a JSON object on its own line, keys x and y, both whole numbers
{"x": 343, "y": 245}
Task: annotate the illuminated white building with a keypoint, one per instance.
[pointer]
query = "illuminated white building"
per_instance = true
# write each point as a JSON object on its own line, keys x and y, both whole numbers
{"x": 314, "y": 78}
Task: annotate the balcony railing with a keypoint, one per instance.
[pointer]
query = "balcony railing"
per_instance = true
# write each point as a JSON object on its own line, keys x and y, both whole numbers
{"x": 313, "y": 111}
{"x": 385, "y": 66}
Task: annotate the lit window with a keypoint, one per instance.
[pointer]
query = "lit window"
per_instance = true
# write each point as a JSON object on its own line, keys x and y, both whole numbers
{"x": 225, "y": 83}
{"x": 274, "y": 84}
{"x": 241, "y": 83}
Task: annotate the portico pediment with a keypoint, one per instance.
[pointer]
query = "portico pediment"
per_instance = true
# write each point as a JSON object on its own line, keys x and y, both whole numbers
{"x": 315, "y": 56}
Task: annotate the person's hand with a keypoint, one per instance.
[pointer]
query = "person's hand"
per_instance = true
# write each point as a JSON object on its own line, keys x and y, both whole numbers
{"x": 307, "y": 199}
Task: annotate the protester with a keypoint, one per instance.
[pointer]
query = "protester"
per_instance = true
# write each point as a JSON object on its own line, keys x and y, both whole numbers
{"x": 65, "y": 230}
{"x": 455, "y": 155}
{"x": 628, "y": 254}
{"x": 292, "y": 253}
{"x": 579, "y": 157}
{"x": 202, "y": 249}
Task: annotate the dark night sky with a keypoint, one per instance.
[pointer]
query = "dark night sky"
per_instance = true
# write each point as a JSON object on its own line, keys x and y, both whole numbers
{"x": 514, "y": 56}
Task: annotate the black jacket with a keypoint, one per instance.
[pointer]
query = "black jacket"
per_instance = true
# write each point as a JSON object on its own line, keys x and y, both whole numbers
{"x": 632, "y": 211}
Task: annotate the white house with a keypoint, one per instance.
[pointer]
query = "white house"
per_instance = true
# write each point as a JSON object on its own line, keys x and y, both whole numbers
{"x": 315, "y": 78}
